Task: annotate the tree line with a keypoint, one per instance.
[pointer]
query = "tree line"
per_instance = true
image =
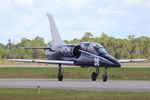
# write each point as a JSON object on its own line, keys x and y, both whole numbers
{"x": 131, "y": 48}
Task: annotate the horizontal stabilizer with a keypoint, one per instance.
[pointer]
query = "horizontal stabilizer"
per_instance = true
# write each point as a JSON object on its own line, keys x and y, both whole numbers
{"x": 35, "y": 48}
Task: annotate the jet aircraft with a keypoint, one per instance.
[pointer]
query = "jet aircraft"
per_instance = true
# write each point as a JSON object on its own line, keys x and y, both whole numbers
{"x": 85, "y": 54}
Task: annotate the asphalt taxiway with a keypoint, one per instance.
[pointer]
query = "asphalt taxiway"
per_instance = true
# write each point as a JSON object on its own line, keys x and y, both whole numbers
{"x": 78, "y": 84}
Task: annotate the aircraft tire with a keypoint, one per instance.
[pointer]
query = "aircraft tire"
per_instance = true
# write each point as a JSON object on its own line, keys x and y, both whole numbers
{"x": 60, "y": 77}
{"x": 105, "y": 78}
{"x": 94, "y": 76}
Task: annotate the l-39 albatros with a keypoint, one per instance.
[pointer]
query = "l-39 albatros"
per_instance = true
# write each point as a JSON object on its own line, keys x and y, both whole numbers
{"x": 85, "y": 54}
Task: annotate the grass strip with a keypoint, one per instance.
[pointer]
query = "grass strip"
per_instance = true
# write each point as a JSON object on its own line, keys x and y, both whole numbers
{"x": 76, "y": 73}
{"x": 54, "y": 94}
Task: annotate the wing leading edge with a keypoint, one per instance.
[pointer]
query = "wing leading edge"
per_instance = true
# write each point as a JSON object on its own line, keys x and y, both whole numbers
{"x": 131, "y": 60}
{"x": 43, "y": 61}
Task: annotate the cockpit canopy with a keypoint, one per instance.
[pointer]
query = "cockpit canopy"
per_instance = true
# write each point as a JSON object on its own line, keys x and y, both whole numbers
{"x": 93, "y": 48}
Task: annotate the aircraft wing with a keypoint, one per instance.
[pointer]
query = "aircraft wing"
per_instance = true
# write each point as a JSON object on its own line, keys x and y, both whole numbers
{"x": 131, "y": 60}
{"x": 43, "y": 61}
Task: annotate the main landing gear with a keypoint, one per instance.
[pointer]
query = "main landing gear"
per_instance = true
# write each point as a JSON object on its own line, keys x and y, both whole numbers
{"x": 105, "y": 76}
{"x": 95, "y": 74}
{"x": 60, "y": 74}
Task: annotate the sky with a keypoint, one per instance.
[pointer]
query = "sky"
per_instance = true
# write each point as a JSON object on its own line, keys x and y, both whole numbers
{"x": 117, "y": 18}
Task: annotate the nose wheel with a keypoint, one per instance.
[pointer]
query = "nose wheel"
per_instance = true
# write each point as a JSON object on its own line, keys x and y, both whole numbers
{"x": 105, "y": 76}
{"x": 95, "y": 74}
{"x": 60, "y": 74}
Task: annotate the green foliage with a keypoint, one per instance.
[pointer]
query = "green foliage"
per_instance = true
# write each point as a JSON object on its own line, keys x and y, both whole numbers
{"x": 130, "y": 48}
{"x": 14, "y": 50}
{"x": 2, "y": 51}
{"x": 87, "y": 37}
{"x": 131, "y": 37}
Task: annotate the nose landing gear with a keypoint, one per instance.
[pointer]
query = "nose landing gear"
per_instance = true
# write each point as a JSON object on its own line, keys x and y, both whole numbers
{"x": 95, "y": 74}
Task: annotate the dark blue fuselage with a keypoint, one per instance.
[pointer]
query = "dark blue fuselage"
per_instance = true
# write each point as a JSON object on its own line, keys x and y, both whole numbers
{"x": 86, "y": 54}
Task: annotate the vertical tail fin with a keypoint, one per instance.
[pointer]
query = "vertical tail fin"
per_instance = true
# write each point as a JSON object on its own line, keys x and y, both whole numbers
{"x": 56, "y": 39}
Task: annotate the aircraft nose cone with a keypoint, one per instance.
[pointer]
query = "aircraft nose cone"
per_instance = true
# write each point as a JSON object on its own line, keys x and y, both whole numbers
{"x": 112, "y": 59}
{"x": 117, "y": 64}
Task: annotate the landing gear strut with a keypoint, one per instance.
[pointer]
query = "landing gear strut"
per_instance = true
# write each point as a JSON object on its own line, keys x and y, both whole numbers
{"x": 60, "y": 74}
{"x": 95, "y": 74}
{"x": 105, "y": 76}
